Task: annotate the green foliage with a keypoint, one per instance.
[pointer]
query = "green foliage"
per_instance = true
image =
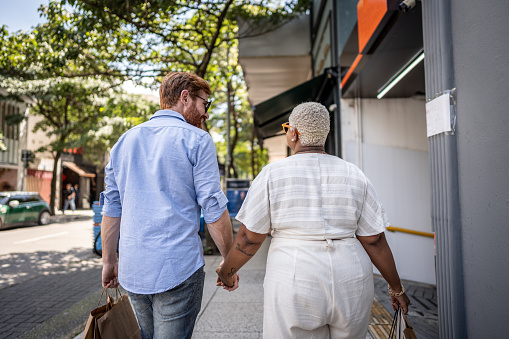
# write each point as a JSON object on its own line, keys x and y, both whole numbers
{"x": 120, "y": 113}
{"x": 59, "y": 47}
{"x": 3, "y": 148}
{"x": 149, "y": 38}
{"x": 72, "y": 64}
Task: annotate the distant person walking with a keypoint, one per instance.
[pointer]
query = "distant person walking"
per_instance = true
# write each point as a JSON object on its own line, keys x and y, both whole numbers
{"x": 69, "y": 196}
{"x": 327, "y": 223}
{"x": 76, "y": 195}
{"x": 161, "y": 174}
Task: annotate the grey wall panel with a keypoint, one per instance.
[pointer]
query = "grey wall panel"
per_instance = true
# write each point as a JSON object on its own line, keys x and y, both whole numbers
{"x": 481, "y": 66}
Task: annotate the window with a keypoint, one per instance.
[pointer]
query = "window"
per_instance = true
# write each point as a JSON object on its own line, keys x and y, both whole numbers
{"x": 33, "y": 198}
{"x": 4, "y": 199}
{"x": 21, "y": 198}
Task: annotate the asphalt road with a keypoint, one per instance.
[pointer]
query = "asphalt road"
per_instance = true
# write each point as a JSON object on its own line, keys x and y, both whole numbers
{"x": 61, "y": 237}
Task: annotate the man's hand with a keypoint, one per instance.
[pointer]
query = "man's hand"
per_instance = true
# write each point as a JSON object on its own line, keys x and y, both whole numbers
{"x": 109, "y": 275}
{"x": 110, "y": 229}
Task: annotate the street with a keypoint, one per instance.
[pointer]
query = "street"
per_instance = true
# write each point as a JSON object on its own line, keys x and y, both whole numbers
{"x": 60, "y": 237}
{"x": 45, "y": 270}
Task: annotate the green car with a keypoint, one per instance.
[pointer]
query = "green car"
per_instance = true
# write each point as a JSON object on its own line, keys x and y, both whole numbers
{"x": 19, "y": 208}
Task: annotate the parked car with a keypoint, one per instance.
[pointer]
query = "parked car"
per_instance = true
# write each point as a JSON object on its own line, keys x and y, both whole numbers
{"x": 21, "y": 208}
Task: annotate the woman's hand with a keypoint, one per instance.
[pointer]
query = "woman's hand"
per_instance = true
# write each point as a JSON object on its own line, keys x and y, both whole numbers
{"x": 230, "y": 282}
{"x": 401, "y": 301}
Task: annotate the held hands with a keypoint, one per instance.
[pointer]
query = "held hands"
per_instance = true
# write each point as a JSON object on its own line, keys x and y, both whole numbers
{"x": 229, "y": 281}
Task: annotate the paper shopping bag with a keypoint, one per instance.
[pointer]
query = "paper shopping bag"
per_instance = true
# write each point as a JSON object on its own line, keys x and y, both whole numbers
{"x": 114, "y": 320}
{"x": 119, "y": 322}
{"x": 408, "y": 332}
{"x": 401, "y": 328}
{"x": 92, "y": 328}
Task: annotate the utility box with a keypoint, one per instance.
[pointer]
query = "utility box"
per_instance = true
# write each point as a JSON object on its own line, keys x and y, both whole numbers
{"x": 236, "y": 191}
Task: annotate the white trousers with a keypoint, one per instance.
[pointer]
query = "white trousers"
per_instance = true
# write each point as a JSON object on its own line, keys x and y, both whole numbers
{"x": 317, "y": 289}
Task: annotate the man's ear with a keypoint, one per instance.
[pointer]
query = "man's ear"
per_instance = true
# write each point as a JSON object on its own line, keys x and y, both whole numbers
{"x": 184, "y": 96}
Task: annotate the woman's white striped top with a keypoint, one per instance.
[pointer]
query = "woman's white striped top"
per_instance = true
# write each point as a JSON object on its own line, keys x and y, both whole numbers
{"x": 312, "y": 196}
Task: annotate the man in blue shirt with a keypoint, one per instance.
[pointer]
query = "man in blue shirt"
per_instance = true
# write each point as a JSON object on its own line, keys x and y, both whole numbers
{"x": 161, "y": 174}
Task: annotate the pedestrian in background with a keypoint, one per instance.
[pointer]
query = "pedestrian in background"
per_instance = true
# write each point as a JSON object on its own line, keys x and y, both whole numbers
{"x": 160, "y": 175}
{"x": 327, "y": 223}
{"x": 69, "y": 196}
{"x": 76, "y": 195}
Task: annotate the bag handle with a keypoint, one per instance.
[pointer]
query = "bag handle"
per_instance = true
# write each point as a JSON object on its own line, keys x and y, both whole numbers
{"x": 392, "y": 333}
{"x": 118, "y": 295}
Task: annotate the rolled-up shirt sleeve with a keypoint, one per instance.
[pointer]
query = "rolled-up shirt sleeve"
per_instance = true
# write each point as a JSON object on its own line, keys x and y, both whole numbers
{"x": 110, "y": 197}
{"x": 206, "y": 181}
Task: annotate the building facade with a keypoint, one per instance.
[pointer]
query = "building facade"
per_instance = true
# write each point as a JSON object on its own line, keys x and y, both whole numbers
{"x": 417, "y": 96}
{"x": 12, "y": 173}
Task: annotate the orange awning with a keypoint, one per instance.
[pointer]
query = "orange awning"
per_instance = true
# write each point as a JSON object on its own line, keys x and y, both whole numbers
{"x": 75, "y": 168}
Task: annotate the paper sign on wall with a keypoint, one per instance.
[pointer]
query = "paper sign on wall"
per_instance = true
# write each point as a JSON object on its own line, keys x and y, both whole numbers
{"x": 438, "y": 115}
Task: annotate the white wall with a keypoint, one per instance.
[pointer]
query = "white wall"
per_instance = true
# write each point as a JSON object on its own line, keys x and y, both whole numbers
{"x": 276, "y": 147}
{"x": 387, "y": 140}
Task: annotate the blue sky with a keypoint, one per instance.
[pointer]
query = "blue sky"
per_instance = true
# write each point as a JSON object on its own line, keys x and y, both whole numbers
{"x": 20, "y": 14}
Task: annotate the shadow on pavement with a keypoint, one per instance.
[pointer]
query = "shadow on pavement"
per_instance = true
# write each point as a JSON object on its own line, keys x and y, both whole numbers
{"x": 19, "y": 267}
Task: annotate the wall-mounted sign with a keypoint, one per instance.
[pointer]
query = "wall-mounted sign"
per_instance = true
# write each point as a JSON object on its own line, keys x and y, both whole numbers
{"x": 438, "y": 115}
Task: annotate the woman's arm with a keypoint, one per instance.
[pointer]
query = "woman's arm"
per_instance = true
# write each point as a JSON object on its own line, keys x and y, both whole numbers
{"x": 381, "y": 256}
{"x": 245, "y": 246}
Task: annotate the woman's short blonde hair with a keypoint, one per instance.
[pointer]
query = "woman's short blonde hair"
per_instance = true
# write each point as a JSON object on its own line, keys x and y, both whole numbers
{"x": 312, "y": 121}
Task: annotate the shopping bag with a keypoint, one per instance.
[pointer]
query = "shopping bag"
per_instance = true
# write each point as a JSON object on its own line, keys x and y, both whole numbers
{"x": 408, "y": 332}
{"x": 400, "y": 328}
{"x": 119, "y": 322}
{"x": 114, "y": 320}
{"x": 92, "y": 328}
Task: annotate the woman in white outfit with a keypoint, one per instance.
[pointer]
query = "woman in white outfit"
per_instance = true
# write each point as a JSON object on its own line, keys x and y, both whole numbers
{"x": 326, "y": 224}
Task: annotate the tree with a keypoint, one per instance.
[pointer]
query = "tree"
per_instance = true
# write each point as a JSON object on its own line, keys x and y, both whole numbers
{"x": 58, "y": 67}
{"x": 2, "y": 145}
{"x": 158, "y": 36}
{"x": 118, "y": 114}
{"x": 69, "y": 108}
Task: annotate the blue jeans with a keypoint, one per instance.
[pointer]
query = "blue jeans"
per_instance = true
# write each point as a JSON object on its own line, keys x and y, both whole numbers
{"x": 170, "y": 314}
{"x": 67, "y": 203}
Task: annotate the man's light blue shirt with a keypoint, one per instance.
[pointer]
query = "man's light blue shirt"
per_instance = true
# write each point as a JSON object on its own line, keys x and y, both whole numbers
{"x": 160, "y": 175}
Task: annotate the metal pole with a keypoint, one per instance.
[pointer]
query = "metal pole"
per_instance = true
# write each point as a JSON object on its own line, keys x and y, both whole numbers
{"x": 228, "y": 112}
{"x": 443, "y": 154}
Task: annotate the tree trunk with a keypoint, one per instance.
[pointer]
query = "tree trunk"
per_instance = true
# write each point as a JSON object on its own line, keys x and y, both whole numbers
{"x": 202, "y": 68}
{"x": 54, "y": 182}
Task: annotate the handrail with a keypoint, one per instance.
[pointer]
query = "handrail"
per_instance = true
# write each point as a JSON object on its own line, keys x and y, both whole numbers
{"x": 405, "y": 230}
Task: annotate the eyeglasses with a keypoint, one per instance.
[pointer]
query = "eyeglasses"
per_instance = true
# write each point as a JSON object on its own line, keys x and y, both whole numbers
{"x": 207, "y": 103}
{"x": 286, "y": 127}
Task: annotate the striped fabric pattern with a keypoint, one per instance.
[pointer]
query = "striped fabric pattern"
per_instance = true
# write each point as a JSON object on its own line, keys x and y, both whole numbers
{"x": 313, "y": 196}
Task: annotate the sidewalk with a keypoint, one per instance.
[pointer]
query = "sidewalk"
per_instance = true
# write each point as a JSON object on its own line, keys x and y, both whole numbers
{"x": 71, "y": 216}
{"x": 57, "y": 305}
{"x": 239, "y": 314}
